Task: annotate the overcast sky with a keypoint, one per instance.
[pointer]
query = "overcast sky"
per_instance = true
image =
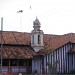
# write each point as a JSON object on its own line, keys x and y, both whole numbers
{"x": 56, "y": 16}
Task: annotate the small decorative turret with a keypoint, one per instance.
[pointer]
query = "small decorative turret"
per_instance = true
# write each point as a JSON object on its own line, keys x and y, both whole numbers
{"x": 36, "y": 24}
{"x": 37, "y": 36}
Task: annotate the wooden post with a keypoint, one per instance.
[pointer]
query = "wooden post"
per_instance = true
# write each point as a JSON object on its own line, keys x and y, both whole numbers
{"x": 9, "y": 66}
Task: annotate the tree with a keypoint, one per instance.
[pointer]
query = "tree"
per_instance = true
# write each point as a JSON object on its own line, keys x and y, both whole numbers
{"x": 52, "y": 67}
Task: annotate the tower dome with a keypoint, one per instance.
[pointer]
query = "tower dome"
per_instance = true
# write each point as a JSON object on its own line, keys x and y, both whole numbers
{"x": 36, "y": 22}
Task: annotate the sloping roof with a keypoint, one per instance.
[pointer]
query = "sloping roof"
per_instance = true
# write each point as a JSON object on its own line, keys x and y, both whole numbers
{"x": 15, "y": 38}
{"x": 51, "y": 42}
{"x": 57, "y": 41}
{"x": 17, "y": 52}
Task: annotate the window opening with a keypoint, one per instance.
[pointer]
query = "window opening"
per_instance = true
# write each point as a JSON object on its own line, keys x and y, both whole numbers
{"x": 39, "y": 39}
{"x": 33, "y": 39}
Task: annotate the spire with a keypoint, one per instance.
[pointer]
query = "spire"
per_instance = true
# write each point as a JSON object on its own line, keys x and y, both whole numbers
{"x": 36, "y": 24}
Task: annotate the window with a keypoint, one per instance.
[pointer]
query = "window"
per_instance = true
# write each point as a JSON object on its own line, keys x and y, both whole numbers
{"x": 13, "y": 62}
{"x": 39, "y": 39}
{"x": 32, "y": 39}
{"x": 5, "y": 62}
{"x": 21, "y": 62}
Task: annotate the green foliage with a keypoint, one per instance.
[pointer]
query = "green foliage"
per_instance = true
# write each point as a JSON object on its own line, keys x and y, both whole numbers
{"x": 52, "y": 67}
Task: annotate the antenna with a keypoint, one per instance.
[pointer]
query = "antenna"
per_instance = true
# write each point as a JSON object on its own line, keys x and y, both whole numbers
{"x": 20, "y": 12}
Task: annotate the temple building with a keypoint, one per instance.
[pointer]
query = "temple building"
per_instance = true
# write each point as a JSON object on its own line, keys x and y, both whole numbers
{"x": 26, "y": 53}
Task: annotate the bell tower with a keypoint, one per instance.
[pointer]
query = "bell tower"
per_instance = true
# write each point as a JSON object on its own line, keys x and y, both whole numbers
{"x": 37, "y": 36}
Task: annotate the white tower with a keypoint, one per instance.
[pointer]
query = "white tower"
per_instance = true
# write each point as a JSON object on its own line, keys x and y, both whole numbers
{"x": 37, "y": 36}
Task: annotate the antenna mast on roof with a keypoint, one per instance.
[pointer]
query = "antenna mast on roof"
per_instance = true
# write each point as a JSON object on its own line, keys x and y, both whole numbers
{"x": 20, "y": 12}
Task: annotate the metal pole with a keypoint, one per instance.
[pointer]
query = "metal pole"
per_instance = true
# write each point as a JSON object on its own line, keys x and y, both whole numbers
{"x": 1, "y": 42}
{"x": 20, "y": 12}
{"x": 21, "y": 21}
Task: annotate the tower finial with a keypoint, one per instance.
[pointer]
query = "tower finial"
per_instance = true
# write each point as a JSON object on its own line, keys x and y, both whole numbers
{"x": 36, "y": 22}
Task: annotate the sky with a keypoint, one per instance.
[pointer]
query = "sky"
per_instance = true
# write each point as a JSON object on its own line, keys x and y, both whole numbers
{"x": 56, "y": 16}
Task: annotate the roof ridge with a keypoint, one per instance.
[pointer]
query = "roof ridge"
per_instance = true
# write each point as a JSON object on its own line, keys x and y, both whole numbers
{"x": 16, "y": 32}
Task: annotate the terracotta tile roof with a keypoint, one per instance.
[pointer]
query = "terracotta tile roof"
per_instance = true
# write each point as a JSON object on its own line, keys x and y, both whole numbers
{"x": 18, "y": 52}
{"x": 15, "y": 38}
{"x": 54, "y": 42}
{"x": 51, "y": 42}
